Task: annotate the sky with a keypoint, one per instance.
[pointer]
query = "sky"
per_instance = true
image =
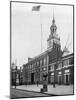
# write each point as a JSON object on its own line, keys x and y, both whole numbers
{"x": 26, "y": 29}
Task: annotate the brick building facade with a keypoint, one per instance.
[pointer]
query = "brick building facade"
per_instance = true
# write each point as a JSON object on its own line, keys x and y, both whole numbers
{"x": 57, "y": 64}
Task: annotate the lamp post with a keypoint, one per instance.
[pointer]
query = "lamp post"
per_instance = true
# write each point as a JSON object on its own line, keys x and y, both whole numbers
{"x": 45, "y": 83}
{"x": 15, "y": 75}
{"x": 37, "y": 71}
{"x": 56, "y": 47}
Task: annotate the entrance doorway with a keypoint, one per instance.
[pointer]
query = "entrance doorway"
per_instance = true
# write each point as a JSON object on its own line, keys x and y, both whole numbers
{"x": 59, "y": 79}
{"x": 32, "y": 78}
{"x": 52, "y": 79}
{"x": 67, "y": 79}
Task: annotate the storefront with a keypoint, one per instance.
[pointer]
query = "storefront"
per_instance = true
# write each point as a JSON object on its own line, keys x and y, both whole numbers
{"x": 59, "y": 77}
{"x": 67, "y": 76}
{"x": 52, "y": 78}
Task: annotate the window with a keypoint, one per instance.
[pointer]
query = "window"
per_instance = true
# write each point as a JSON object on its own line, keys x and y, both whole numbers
{"x": 40, "y": 62}
{"x": 32, "y": 66}
{"x": 37, "y": 63}
{"x": 28, "y": 67}
{"x": 40, "y": 69}
{"x": 60, "y": 65}
{"x": 44, "y": 61}
{"x": 59, "y": 73}
{"x": 52, "y": 67}
{"x": 66, "y": 71}
{"x": 71, "y": 61}
{"x": 52, "y": 73}
{"x": 65, "y": 62}
{"x": 53, "y": 29}
{"x": 44, "y": 68}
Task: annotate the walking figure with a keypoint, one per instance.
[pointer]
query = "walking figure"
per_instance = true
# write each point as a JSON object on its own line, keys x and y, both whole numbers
{"x": 54, "y": 85}
{"x": 37, "y": 83}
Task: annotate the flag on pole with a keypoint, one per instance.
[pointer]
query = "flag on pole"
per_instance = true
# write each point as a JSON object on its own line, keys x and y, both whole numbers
{"x": 36, "y": 8}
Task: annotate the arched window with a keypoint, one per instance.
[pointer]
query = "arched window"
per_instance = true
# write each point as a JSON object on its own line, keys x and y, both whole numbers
{"x": 53, "y": 29}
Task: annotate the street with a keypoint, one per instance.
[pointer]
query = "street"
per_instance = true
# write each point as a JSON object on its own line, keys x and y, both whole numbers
{"x": 25, "y": 91}
{"x": 58, "y": 90}
{"x": 17, "y": 93}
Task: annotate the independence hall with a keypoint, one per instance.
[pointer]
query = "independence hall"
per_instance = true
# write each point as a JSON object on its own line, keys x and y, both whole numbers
{"x": 56, "y": 63}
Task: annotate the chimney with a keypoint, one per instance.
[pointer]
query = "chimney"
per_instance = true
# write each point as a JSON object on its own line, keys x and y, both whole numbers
{"x": 29, "y": 59}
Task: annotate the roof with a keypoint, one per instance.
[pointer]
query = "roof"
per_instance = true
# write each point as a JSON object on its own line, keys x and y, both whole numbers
{"x": 65, "y": 52}
{"x": 39, "y": 56}
{"x": 67, "y": 56}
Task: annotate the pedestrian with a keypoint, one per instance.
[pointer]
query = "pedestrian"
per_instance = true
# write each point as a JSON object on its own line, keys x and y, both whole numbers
{"x": 37, "y": 82}
{"x": 54, "y": 85}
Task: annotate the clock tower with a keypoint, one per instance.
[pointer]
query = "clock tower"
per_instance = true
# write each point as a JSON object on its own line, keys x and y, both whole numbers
{"x": 53, "y": 37}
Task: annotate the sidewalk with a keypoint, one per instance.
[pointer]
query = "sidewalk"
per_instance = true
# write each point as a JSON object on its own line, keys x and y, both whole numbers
{"x": 58, "y": 90}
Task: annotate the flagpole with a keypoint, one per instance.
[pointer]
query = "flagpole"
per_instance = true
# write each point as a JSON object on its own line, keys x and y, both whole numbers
{"x": 41, "y": 33}
{"x": 37, "y": 8}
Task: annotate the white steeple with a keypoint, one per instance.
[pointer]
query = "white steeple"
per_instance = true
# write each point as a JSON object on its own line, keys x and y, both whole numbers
{"x": 53, "y": 37}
